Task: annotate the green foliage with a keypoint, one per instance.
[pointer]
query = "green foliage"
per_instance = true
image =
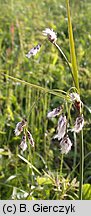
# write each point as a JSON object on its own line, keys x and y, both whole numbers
{"x": 36, "y": 87}
{"x": 87, "y": 192}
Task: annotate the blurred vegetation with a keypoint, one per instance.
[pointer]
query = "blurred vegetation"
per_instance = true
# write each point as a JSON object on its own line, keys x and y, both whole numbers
{"x": 35, "y": 174}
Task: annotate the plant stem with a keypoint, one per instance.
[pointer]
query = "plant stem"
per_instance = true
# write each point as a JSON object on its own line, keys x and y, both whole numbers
{"x": 61, "y": 165}
{"x": 75, "y": 151}
{"x": 61, "y": 51}
{"x": 46, "y": 90}
{"x": 68, "y": 63}
{"x": 81, "y": 166}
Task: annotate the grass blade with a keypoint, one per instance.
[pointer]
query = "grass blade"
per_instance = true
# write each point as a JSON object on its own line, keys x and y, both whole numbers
{"x": 72, "y": 49}
{"x": 62, "y": 93}
{"x": 30, "y": 165}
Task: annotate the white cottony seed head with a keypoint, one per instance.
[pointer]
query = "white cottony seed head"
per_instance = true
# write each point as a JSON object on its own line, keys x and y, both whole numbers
{"x": 75, "y": 97}
{"x": 30, "y": 138}
{"x": 62, "y": 122}
{"x": 79, "y": 123}
{"x": 23, "y": 144}
{"x": 54, "y": 112}
{"x": 18, "y": 129}
{"x": 33, "y": 51}
{"x": 61, "y": 129}
{"x": 65, "y": 145}
{"x": 52, "y": 36}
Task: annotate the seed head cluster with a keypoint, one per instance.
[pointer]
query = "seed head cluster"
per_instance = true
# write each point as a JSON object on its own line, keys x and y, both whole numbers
{"x": 62, "y": 127}
{"x": 21, "y": 128}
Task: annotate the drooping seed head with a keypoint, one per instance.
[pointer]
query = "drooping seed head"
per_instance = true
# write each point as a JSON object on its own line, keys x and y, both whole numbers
{"x": 33, "y": 51}
{"x": 61, "y": 128}
{"x": 65, "y": 144}
{"x": 75, "y": 98}
{"x": 30, "y": 138}
{"x": 52, "y": 36}
{"x": 23, "y": 144}
{"x": 79, "y": 123}
{"x": 19, "y": 127}
{"x": 55, "y": 112}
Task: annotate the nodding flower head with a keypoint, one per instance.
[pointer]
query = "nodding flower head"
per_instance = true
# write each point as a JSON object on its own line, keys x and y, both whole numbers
{"x": 54, "y": 112}
{"x": 52, "y": 36}
{"x": 79, "y": 123}
{"x": 65, "y": 144}
{"x": 75, "y": 98}
{"x": 33, "y": 51}
{"x": 19, "y": 127}
{"x": 23, "y": 144}
{"x": 30, "y": 138}
{"x": 61, "y": 129}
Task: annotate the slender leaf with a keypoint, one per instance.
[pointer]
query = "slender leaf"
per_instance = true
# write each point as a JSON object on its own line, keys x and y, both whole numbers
{"x": 87, "y": 192}
{"x": 72, "y": 49}
{"x": 30, "y": 165}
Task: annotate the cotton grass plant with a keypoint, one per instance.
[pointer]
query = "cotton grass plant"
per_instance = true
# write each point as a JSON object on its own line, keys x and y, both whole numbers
{"x": 65, "y": 142}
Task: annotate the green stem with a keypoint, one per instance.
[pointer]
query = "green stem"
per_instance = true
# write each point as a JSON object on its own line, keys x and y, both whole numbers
{"x": 46, "y": 90}
{"x": 75, "y": 150}
{"x": 61, "y": 51}
{"x": 61, "y": 165}
{"x": 68, "y": 63}
{"x": 81, "y": 166}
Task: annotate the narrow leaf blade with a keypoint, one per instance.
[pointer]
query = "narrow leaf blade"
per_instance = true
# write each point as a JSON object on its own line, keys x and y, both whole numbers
{"x": 72, "y": 48}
